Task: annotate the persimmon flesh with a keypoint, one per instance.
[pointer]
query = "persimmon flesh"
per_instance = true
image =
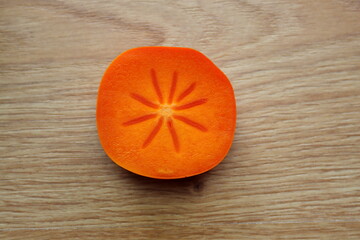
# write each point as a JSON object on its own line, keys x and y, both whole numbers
{"x": 165, "y": 112}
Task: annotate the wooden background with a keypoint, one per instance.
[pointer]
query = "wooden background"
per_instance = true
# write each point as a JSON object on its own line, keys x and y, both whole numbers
{"x": 294, "y": 168}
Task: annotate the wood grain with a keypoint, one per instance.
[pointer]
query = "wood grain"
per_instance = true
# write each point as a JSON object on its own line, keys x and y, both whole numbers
{"x": 294, "y": 168}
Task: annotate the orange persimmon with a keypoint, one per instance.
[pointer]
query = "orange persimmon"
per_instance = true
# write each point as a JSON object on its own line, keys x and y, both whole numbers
{"x": 165, "y": 112}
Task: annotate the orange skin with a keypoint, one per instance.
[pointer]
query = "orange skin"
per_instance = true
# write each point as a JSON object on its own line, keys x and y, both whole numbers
{"x": 165, "y": 112}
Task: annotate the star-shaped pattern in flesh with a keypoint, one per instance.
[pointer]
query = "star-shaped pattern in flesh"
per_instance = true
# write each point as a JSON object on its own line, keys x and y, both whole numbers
{"x": 167, "y": 111}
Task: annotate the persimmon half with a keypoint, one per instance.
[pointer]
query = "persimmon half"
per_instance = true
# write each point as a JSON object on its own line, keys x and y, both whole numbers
{"x": 165, "y": 112}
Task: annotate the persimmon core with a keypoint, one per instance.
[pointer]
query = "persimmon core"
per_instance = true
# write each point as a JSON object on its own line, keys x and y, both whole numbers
{"x": 166, "y": 111}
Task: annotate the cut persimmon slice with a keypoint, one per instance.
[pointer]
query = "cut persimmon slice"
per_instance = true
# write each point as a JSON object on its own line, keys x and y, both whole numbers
{"x": 165, "y": 112}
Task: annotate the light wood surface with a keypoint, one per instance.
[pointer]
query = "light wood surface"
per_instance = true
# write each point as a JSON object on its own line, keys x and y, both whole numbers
{"x": 294, "y": 168}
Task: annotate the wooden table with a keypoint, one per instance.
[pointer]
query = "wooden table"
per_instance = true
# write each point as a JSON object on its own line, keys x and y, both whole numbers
{"x": 294, "y": 168}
